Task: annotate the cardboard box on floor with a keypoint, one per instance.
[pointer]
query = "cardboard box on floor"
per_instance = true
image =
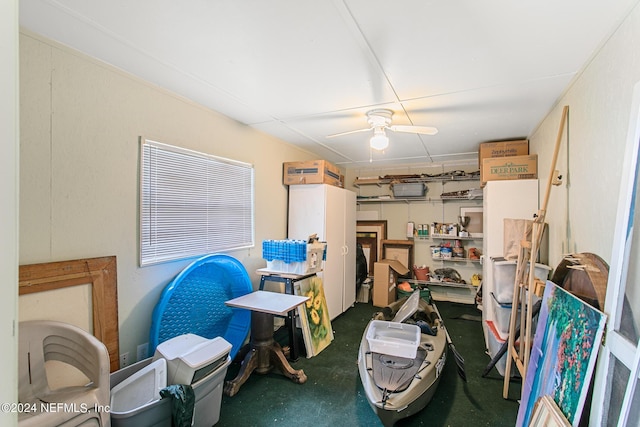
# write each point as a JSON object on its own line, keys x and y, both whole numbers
{"x": 385, "y": 277}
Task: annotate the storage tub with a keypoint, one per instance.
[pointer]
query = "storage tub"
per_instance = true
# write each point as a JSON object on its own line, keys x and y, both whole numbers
{"x": 502, "y": 317}
{"x": 504, "y": 276}
{"x": 137, "y": 387}
{"x": 425, "y": 293}
{"x": 294, "y": 256}
{"x": 409, "y": 189}
{"x": 393, "y": 338}
{"x": 495, "y": 344}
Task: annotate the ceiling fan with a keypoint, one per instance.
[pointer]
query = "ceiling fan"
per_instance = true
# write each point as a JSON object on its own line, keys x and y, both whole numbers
{"x": 379, "y": 120}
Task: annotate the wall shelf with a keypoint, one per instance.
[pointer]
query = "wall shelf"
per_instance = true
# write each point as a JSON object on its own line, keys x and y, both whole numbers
{"x": 449, "y": 291}
{"x": 382, "y": 180}
{"x": 444, "y": 193}
{"x": 439, "y": 237}
{"x": 457, "y": 259}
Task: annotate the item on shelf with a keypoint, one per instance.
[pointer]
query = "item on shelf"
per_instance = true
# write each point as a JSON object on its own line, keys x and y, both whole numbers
{"x": 458, "y": 252}
{"x": 476, "y": 279}
{"x": 435, "y": 252}
{"x": 405, "y": 286}
{"x": 469, "y": 194}
{"x": 411, "y": 229}
{"x": 474, "y": 253}
{"x": 423, "y": 230}
{"x": 421, "y": 273}
{"x": 463, "y": 221}
{"x": 446, "y": 252}
{"x": 408, "y": 189}
{"x": 444, "y": 229}
{"x": 448, "y": 275}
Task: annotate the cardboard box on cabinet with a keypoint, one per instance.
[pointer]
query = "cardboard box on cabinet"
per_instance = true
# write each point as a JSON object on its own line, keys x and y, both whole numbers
{"x": 311, "y": 172}
{"x": 515, "y": 167}
{"x": 492, "y": 149}
{"x": 385, "y": 277}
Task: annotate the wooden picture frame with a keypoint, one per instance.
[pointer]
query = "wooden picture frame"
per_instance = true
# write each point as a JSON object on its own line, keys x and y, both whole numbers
{"x": 547, "y": 414}
{"x": 100, "y": 274}
{"x": 370, "y": 235}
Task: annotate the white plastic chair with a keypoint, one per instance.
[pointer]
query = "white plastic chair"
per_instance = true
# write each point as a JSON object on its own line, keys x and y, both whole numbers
{"x": 82, "y": 405}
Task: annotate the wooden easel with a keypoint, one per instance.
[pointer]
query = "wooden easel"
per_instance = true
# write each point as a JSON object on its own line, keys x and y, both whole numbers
{"x": 526, "y": 285}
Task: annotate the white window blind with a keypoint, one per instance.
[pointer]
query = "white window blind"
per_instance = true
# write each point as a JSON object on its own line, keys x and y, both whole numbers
{"x": 192, "y": 203}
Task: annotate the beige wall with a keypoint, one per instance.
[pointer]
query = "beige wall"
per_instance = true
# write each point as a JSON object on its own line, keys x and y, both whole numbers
{"x": 582, "y": 212}
{"x": 80, "y": 124}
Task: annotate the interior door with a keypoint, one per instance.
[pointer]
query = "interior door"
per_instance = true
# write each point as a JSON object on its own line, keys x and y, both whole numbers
{"x": 616, "y": 400}
{"x": 334, "y": 266}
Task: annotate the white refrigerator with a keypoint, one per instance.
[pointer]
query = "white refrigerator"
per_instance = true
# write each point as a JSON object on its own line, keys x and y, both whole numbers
{"x": 329, "y": 212}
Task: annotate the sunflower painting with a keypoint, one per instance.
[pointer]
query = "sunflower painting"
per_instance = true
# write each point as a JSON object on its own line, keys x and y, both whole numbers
{"x": 314, "y": 317}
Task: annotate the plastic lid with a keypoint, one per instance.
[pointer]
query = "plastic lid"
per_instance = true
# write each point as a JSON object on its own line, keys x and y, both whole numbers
{"x": 193, "y": 350}
{"x": 408, "y": 308}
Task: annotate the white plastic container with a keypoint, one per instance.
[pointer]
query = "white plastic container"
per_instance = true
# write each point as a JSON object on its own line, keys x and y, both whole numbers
{"x": 502, "y": 316}
{"x": 495, "y": 344}
{"x": 364, "y": 294}
{"x": 208, "y": 392}
{"x": 203, "y": 363}
{"x": 191, "y": 357}
{"x": 312, "y": 263}
{"x": 394, "y": 339}
{"x": 504, "y": 276}
{"x": 135, "y": 395}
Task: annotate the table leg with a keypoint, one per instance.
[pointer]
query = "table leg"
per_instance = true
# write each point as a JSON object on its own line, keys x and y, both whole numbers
{"x": 265, "y": 354}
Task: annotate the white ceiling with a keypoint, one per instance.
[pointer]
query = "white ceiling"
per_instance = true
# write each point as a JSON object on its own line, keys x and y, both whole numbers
{"x": 303, "y": 69}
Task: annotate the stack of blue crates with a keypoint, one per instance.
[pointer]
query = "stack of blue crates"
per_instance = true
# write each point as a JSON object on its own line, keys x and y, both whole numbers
{"x": 293, "y": 256}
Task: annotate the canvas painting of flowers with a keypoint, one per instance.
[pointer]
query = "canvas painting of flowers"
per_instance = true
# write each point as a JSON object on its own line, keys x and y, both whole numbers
{"x": 563, "y": 355}
{"x": 314, "y": 317}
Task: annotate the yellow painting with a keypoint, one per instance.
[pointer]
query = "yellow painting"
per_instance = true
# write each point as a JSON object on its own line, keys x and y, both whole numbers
{"x": 314, "y": 316}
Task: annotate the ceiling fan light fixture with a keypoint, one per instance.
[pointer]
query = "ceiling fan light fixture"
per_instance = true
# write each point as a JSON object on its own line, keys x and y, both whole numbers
{"x": 379, "y": 141}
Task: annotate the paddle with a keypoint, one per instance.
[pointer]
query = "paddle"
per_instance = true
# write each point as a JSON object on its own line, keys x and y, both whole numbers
{"x": 457, "y": 356}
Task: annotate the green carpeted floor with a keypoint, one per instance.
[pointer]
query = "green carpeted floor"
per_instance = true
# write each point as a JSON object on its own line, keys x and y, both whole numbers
{"x": 333, "y": 394}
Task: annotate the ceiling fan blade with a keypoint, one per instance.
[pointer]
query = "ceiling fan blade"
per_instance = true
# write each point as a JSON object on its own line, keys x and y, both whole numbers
{"x": 349, "y": 132}
{"x": 425, "y": 130}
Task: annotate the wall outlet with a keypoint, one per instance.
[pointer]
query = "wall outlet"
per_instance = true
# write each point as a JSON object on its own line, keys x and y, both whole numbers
{"x": 143, "y": 351}
{"x": 124, "y": 360}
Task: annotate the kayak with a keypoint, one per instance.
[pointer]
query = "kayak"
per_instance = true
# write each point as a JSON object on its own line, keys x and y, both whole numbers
{"x": 400, "y": 374}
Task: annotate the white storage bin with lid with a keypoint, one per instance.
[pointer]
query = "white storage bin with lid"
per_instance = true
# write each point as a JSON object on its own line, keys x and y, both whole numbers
{"x": 393, "y": 338}
{"x": 135, "y": 395}
{"x": 504, "y": 276}
{"x": 202, "y": 363}
{"x": 191, "y": 357}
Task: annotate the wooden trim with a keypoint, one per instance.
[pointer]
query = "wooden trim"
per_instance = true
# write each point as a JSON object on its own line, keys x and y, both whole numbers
{"x": 101, "y": 274}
